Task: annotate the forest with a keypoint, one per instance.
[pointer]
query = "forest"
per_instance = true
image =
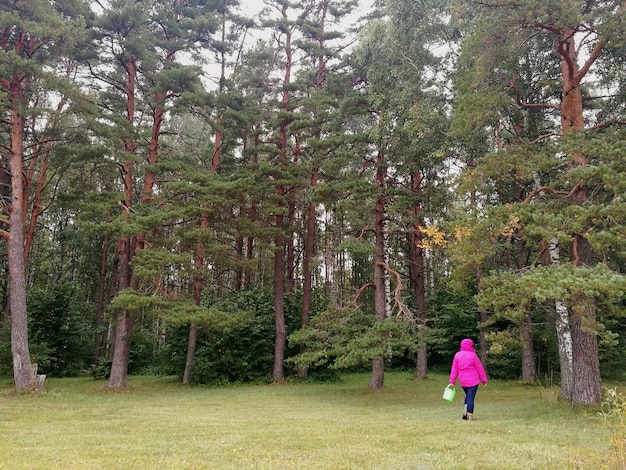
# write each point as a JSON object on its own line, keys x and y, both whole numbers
{"x": 199, "y": 189}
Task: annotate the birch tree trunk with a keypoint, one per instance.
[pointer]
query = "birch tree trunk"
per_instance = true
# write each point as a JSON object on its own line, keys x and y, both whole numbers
{"x": 562, "y": 320}
{"x": 563, "y": 333}
{"x": 386, "y": 274}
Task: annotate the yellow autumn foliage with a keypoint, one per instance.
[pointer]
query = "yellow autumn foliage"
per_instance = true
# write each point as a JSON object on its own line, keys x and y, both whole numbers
{"x": 511, "y": 226}
{"x": 432, "y": 237}
{"x": 461, "y": 232}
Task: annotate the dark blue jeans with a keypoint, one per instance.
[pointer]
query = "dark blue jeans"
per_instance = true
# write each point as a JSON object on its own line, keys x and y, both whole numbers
{"x": 470, "y": 394}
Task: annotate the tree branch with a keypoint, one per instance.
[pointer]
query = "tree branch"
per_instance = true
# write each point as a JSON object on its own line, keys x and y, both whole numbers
{"x": 397, "y": 298}
{"x": 518, "y": 100}
{"x": 536, "y": 191}
{"x": 595, "y": 53}
{"x": 545, "y": 136}
{"x": 561, "y": 48}
{"x": 353, "y": 302}
{"x": 592, "y": 58}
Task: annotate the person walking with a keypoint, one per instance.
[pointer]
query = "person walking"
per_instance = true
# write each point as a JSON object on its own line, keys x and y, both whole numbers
{"x": 467, "y": 367}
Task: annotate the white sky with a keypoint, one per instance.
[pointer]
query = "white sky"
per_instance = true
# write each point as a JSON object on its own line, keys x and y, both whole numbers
{"x": 253, "y": 7}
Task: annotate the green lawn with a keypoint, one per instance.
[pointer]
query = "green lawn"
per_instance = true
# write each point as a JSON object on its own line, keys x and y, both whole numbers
{"x": 159, "y": 424}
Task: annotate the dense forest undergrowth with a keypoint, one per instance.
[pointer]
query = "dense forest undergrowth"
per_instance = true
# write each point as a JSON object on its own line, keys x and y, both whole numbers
{"x": 240, "y": 349}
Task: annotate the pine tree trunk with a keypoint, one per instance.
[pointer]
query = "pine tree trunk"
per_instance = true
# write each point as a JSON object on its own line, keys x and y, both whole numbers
{"x": 279, "y": 240}
{"x": 121, "y": 352}
{"x": 377, "y": 381}
{"x": 123, "y": 322}
{"x": 36, "y": 209}
{"x": 239, "y": 258}
{"x": 22, "y": 366}
{"x": 307, "y": 263}
{"x": 572, "y": 102}
{"x": 417, "y": 281}
{"x": 252, "y": 216}
{"x": 482, "y": 329}
{"x": 279, "y": 293}
{"x": 586, "y": 387}
{"x": 191, "y": 352}
{"x": 108, "y": 333}
{"x": 248, "y": 273}
{"x": 278, "y": 374}
{"x": 586, "y": 382}
{"x": 198, "y": 283}
{"x": 421, "y": 369}
{"x": 482, "y": 334}
{"x": 380, "y": 301}
{"x": 290, "y": 275}
{"x": 279, "y": 277}
{"x": 529, "y": 370}
{"x": 290, "y": 269}
{"x": 99, "y": 350}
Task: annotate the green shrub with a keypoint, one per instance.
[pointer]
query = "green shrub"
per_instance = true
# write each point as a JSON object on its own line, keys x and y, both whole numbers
{"x": 243, "y": 354}
{"x": 241, "y": 350}
{"x": 60, "y": 332}
{"x": 101, "y": 369}
{"x": 6, "y": 361}
{"x": 611, "y": 344}
{"x": 453, "y": 316}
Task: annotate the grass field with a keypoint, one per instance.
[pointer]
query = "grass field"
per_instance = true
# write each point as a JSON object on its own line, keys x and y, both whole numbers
{"x": 159, "y": 424}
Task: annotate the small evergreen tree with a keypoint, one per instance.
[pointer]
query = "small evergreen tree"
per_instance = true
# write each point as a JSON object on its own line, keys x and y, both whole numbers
{"x": 60, "y": 330}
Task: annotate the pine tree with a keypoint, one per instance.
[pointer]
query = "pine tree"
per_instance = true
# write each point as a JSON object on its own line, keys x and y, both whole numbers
{"x": 555, "y": 28}
{"x": 393, "y": 57}
{"x": 138, "y": 62}
{"x": 36, "y": 39}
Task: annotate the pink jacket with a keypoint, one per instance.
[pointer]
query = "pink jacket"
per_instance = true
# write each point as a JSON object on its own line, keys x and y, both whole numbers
{"x": 467, "y": 366}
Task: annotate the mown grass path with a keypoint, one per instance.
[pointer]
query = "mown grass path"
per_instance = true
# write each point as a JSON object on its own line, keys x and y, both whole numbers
{"x": 159, "y": 424}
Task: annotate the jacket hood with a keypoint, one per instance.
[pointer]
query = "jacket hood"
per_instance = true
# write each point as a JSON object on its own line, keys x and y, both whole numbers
{"x": 467, "y": 345}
